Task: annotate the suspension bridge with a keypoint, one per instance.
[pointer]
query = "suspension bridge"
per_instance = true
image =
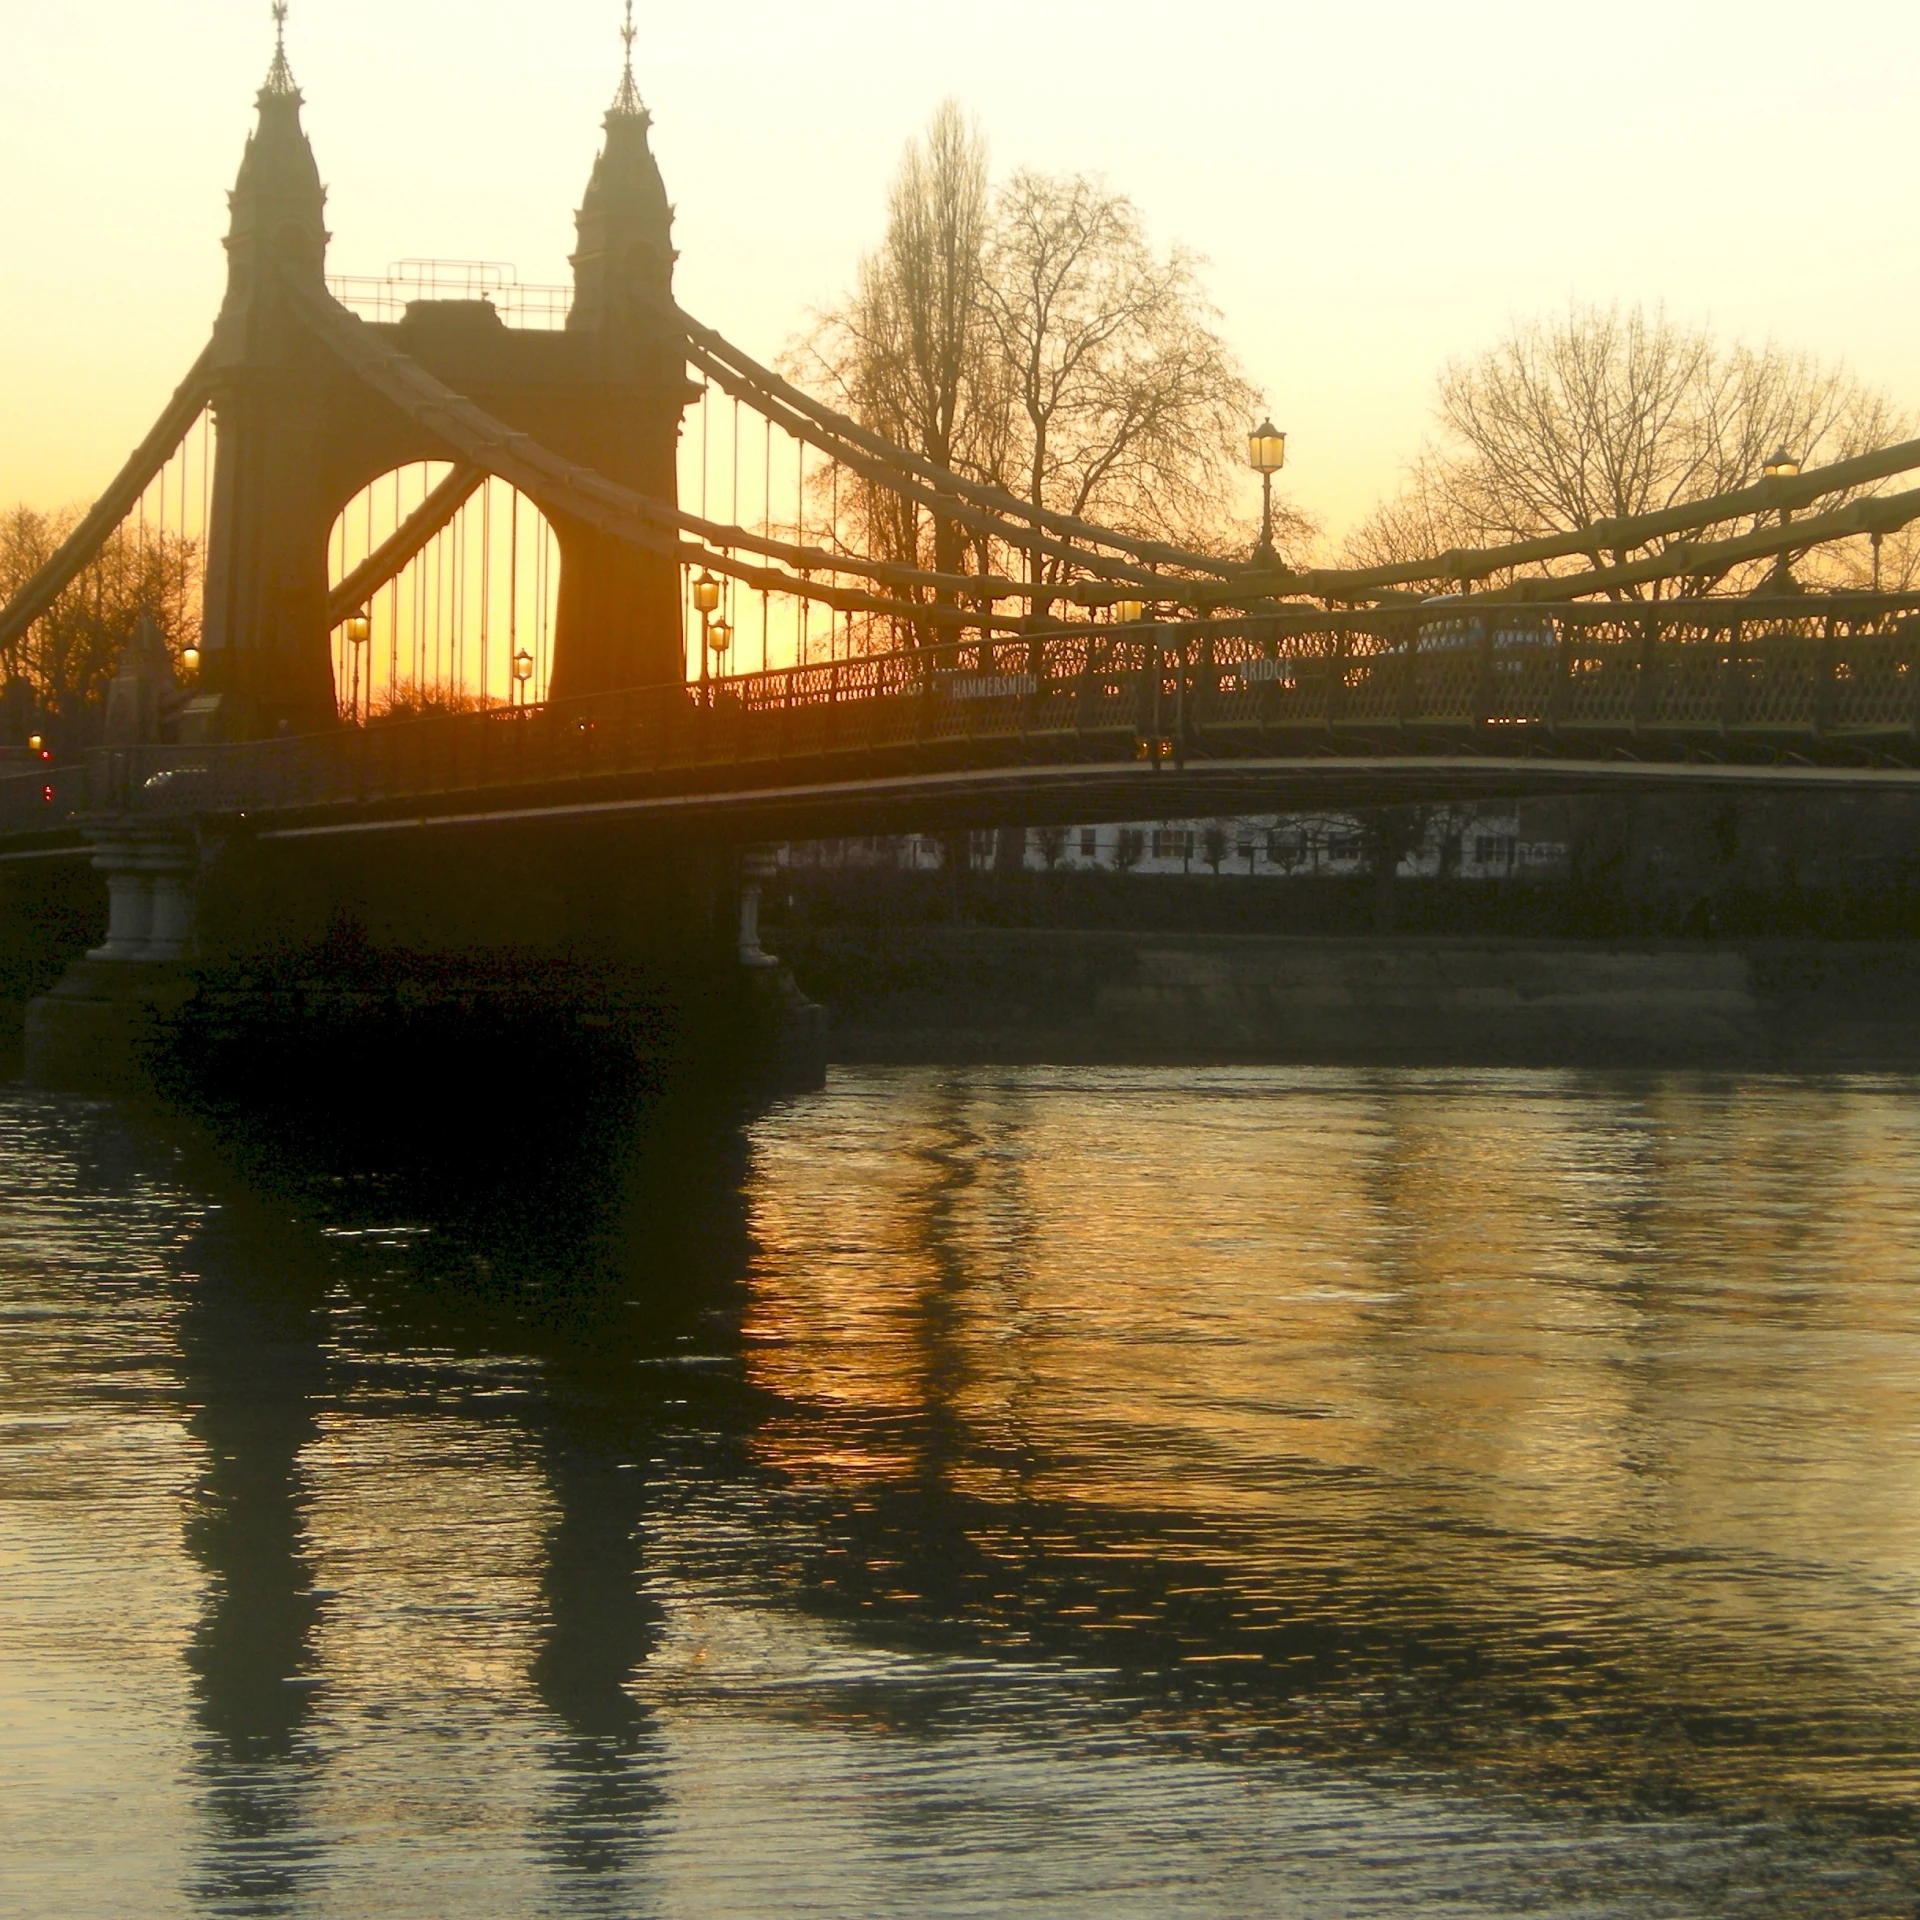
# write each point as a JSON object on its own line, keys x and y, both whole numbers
{"x": 477, "y": 555}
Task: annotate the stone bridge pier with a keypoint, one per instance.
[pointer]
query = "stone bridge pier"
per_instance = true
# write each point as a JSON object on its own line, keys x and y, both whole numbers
{"x": 406, "y": 962}
{"x": 101, "y": 1025}
{"x": 151, "y": 884}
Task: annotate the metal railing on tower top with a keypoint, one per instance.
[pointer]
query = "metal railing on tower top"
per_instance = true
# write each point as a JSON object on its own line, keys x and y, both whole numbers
{"x": 386, "y": 297}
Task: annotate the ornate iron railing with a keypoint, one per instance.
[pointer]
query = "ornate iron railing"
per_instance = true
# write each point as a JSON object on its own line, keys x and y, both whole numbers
{"x": 1738, "y": 679}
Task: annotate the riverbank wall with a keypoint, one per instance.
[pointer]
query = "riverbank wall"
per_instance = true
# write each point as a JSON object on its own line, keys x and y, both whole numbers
{"x": 939, "y": 993}
{"x": 936, "y": 995}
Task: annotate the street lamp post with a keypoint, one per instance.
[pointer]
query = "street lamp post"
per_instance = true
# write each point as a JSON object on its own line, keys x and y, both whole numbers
{"x": 706, "y": 597}
{"x": 522, "y": 673}
{"x": 719, "y": 639}
{"x": 1266, "y": 455}
{"x": 359, "y": 632}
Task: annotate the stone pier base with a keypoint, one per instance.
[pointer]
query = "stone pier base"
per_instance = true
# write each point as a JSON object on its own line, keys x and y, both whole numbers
{"x": 203, "y": 981}
{"x": 787, "y": 1051}
{"x": 99, "y": 1030}
{"x": 106, "y": 1026}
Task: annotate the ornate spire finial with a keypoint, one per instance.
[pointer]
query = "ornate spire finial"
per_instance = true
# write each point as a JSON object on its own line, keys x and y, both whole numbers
{"x": 627, "y": 101}
{"x": 280, "y": 75}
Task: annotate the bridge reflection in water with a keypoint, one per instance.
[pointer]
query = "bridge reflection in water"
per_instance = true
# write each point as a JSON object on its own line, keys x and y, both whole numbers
{"x": 1312, "y": 1492}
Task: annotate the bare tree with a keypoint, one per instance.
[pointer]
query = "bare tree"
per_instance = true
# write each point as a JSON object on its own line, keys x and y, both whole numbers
{"x": 1126, "y": 405}
{"x": 69, "y": 654}
{"x": 1891, "y": 565}
{"x": 1032, "y": 339}
{"x": 1606, "y": 412}
{"x": 906, "y": 355}
{"x": 1428, "y": 516}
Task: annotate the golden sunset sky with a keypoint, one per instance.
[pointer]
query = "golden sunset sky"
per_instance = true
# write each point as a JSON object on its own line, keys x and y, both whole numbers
{"x": 1377, "y": 186}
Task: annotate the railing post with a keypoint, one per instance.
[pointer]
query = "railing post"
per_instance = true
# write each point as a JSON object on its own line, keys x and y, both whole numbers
{"x": 107, "y": 780}
{"x": 926, "y": 664}
{"x": 1559, "y": 692}
{"x": 1204, "y": 695}
{"x": 1909, "y": 670}
{"x": 1484, "y": 690}
{"x": 1148, "y": 705}
{"x": 1182, "y": 701}
{"x": 1032, "y": 665}
{"x": 1640, "y": 708}
{"x": 1084, "y": 702}
{"x": 1826, "y": 695}
{"x": 1732, "y": 675}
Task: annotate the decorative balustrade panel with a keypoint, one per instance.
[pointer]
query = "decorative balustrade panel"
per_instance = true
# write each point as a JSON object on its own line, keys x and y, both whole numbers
{"x": 1778, "y": 673}
{"x": 1690, "y": 679}
{"x": 1876, "y": 677}
{"x": 1599, "y": 679}
{"x": 1272, "y": 679}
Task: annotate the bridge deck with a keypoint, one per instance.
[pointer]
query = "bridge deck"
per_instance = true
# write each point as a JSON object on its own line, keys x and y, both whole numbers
{"x": 1099, "y": 721}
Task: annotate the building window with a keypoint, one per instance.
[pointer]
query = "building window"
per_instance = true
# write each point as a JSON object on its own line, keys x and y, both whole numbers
{"x": 1493, "y": 850}
{"x": 1285, "y": 846}
{"x": 1344, "y": 846}
{"x": 1089, "y": 842}
{"x": 1128, "y": 847}
{"x": 1172, "y": 843}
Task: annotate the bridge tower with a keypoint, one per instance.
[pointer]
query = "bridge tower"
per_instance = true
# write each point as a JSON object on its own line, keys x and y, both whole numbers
{"x": 299, "y": 434}
{"x": 623, "y": 318}
{"x": 266, "y": 580}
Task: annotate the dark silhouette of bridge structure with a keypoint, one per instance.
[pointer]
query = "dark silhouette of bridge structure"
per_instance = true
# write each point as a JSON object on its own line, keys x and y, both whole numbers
{"x": 1078, "y": 672}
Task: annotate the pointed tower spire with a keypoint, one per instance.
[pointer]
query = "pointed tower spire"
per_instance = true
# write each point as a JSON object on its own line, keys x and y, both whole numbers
{"x": 627, "y": 102}
{"x": 624, "y": 259}
{"x": 278, "y": 203}
{"x": 280, "y": 75}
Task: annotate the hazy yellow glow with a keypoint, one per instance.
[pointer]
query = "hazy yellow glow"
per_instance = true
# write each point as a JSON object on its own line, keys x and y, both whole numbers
{"x": 1163, "y": 1307}
{"x": 452, "y": 620}
{"x": 1378, "y": 186}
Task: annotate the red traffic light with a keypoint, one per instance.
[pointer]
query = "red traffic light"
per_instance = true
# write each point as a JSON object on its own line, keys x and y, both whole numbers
{"x": 46, "y": 796}
{"x": 46, "y": 753}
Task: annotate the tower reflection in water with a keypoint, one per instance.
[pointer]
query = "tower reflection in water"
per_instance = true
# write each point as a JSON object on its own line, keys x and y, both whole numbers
{"x": 251, "y": 1336}
{"x": 430, "y": 1400}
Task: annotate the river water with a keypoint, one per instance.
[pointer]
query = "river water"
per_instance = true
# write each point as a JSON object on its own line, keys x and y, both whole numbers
{"x": 1227, "y": 1493}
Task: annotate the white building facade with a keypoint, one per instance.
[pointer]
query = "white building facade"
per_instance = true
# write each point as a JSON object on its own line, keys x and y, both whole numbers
{"x": 1487, "y": 844}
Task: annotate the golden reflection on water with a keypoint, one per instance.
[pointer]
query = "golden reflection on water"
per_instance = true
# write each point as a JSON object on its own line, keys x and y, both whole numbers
{"x": 922, "y": 1503}
{"x": 1623, "y": 1368}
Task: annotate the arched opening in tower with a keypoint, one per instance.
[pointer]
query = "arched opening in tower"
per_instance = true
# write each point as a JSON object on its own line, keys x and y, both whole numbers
{"x": 467, "y": 623}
